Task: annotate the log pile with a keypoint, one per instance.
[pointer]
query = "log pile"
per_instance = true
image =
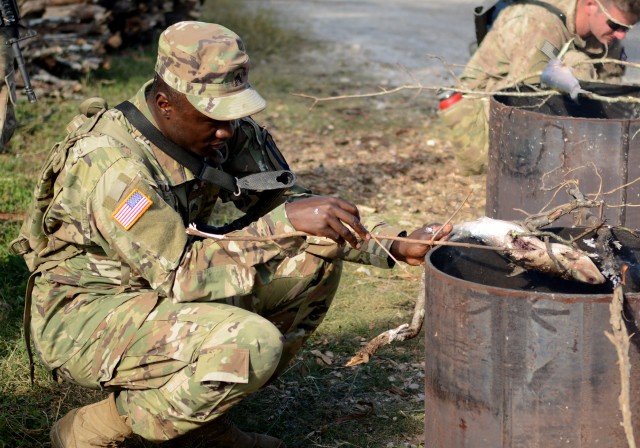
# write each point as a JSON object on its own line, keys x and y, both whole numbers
{"x": 75, "y": 37}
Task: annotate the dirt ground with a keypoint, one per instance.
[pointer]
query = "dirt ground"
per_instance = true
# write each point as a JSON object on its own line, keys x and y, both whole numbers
{"x": 406, "y": 172}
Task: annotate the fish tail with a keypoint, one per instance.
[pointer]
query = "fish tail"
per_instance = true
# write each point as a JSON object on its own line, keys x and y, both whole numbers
{"x": 575, "y": 92}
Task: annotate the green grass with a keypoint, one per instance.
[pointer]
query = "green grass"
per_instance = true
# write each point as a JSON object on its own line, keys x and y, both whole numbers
{"x": 312, "y": 405}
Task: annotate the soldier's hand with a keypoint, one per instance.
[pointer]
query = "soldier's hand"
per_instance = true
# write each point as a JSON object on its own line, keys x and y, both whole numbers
{"x": 328, "y": 217}
{"x": 413, "y": 253}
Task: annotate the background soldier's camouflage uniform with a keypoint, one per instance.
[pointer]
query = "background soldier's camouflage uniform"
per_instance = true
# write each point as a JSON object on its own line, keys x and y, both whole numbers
{"x": 183, "y": 327}
{"x": 510, "y": 53}
{"x": 8, "y": 122}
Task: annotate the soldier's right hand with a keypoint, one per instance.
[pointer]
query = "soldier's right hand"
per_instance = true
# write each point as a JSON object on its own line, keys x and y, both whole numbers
{"x": 326, "y": 216}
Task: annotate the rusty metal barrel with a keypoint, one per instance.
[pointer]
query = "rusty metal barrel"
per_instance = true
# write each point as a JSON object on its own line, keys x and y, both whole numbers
{"x": 523, "y": 361}
{"x": 537, "y": 145}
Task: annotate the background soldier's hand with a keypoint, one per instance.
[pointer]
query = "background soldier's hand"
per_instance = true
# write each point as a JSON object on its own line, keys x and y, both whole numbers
{"x": 326, "y": 216}
{"x": 412, "y": 253}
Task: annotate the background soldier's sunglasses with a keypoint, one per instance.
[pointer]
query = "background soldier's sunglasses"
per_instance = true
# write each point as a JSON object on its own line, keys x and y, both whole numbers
{"x": 613, "y": 23}
{"x": 615, "y": 26}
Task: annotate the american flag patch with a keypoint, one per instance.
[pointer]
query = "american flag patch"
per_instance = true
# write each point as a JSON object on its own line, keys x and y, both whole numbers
{"x": 131, "y": 209}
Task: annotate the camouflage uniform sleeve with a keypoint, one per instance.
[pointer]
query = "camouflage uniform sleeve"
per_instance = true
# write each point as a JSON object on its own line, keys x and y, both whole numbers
{"x": 157, "y": 248}
{"x": 212, "y": 269}
{"x": 581, "y": 62}
{"x": 370, "y": 252}
{"x": 613, "y": 73}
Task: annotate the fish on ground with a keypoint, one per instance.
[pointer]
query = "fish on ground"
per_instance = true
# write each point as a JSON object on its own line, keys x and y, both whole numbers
{"x": 530, "y": 252}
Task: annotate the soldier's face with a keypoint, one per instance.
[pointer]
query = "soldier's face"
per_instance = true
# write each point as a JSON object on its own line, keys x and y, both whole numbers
{"x": 193, "y": 130}
{"x": 608, "y": 23}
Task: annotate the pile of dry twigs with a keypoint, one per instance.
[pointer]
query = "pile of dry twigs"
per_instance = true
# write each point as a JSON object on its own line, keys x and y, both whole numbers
{"x": 73, "y": 37}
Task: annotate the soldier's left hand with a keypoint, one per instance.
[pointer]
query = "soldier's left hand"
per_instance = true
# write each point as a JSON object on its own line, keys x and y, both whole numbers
{"x": 414, "y": 253}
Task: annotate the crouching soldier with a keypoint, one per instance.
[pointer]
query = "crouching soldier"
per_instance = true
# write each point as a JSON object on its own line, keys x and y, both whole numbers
{"x": 178, "y": 328}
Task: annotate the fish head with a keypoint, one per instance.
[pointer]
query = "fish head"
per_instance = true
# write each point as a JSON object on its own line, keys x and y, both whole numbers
{"x": 586, "y": 271}
{"x": 577, "y": 264}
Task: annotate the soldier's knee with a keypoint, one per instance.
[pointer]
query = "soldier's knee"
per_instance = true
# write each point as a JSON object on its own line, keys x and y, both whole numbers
{"x": 247, "y": 348}
{"x": 265, "y": 351}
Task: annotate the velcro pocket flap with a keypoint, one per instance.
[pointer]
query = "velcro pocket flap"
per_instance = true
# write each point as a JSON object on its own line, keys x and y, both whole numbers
{"x": 225, "y": 363}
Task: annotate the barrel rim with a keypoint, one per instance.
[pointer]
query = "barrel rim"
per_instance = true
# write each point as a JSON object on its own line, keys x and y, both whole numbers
{"x": 601, "y": 88}
{"x": 430, "y": 268}
{"x": 493, "y": 102}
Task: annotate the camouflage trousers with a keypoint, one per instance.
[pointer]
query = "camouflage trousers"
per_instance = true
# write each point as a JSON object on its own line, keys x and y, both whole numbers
{"x": 191, "y": 362}
{"x": 468, "y": 121}
{"x": 8, "y": 123}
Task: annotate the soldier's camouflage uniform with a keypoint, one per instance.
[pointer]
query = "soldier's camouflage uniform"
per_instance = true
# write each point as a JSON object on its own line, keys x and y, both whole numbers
{"x": 183, "y": 327}
{"x": 8, "y": 121}
{"x": 511, "y": 53}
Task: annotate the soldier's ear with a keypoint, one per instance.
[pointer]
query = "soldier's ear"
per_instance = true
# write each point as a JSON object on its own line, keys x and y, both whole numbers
{"x": 163, "y": 103}
{"x": 590, "y": 5}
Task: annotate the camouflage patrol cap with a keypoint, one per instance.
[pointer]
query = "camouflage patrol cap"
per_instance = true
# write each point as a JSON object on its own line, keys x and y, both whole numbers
{"x": 208, "y": 63}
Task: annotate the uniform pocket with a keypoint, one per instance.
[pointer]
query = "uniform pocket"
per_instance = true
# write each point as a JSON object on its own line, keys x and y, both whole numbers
{"x": 222, "y": 281}
{"x": 195, "y": 392}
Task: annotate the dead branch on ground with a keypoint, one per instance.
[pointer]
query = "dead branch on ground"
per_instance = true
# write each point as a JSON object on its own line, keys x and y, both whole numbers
{"x": 405, "y": 331}
{"x": 75, "y": 37}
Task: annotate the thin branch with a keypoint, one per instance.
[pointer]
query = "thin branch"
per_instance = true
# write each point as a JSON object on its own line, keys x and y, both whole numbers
{"x": 637, "y": 179}
{"x": 534, "y": 222}
{"x": 553, "y": 196}
{"x": 403, "y": 332}
{"x": 385, "y": 249}
{"x": 453, "y": 215}
{"x": 446, "y": 65}
{"x": 383, "y": 91}
{"x": 419, "y": 86}
{"x": 481, "y": 93}
{"x": 607, "y": 61}
{"x": 192, "y": 230}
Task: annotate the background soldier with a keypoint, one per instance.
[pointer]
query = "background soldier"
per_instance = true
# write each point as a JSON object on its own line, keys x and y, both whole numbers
{"x": 518, "y": 46}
